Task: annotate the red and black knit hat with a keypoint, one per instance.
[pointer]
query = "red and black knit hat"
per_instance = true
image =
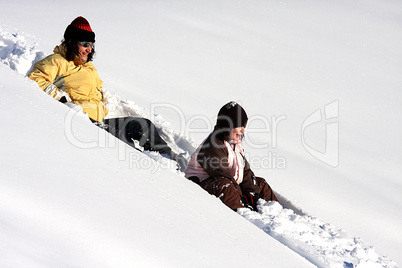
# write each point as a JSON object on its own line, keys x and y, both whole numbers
{"x": 231, "y": 115}
{"x": 79, "y": 30}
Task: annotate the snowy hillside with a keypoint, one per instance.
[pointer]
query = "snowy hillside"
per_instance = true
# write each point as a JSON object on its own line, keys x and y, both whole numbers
{"x": 64, "y": 206}
{"x": 320, "y": 82}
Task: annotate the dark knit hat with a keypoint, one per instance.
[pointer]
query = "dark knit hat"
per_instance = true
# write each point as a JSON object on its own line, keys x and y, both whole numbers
{"x": 79, "y": 30}
{"x": 231, "y": 115}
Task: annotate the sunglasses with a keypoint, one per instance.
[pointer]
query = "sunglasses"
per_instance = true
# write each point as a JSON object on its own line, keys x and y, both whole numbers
{"x": 87, "y": 44}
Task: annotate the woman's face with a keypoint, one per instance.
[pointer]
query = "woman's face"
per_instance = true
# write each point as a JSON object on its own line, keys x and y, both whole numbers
{"x": 83, "y": 52}
{"x": 236, "y": 134}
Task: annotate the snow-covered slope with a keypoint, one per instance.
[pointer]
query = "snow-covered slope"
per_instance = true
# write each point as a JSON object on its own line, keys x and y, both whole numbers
{"x": 283, "y": 61}
{"x": 65, "y": 206}
{"x": 319, "y": 242}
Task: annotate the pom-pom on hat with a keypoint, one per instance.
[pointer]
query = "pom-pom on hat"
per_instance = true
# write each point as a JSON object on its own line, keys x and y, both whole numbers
{"x": 79, "y": 30}
{"x": 231, "y": 115}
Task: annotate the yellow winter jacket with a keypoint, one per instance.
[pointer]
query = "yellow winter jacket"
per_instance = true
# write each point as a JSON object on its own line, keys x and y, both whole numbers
{"x": 80, "y": 81}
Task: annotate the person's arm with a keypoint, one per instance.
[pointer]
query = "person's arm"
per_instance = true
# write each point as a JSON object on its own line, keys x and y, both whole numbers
{"x": 48, "y": 73}
{"x": 213, "y": 158}
{"x": 249, "y": 184}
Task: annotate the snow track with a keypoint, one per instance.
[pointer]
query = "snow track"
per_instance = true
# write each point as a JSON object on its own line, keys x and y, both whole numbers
{"x": 18, "y": 50}
{"x": 320, "y": 242}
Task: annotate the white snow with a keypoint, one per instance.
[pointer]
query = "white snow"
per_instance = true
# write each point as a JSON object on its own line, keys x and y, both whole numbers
{"x": 320, "y": 81}
{"x": 73, "y": 196}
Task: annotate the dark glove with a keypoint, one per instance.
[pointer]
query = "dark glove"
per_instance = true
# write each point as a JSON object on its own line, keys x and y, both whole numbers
{"x": 250, "y": 200}
{"x": 63, "y": 99}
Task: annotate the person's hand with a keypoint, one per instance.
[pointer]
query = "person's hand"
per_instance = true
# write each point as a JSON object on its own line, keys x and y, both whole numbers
{"x": 64, "y": 97}
{"x": 249, "y": 200}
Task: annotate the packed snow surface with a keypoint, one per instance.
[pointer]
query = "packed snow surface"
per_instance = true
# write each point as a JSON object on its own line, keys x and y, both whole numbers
{"x": 320, "y": 82}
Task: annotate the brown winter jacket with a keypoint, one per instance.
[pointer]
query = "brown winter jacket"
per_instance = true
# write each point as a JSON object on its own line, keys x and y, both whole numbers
{"x": 213, "y": 158}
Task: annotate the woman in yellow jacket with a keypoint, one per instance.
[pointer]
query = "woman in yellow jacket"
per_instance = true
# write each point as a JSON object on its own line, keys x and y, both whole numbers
{"x": 69, "y": 75}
